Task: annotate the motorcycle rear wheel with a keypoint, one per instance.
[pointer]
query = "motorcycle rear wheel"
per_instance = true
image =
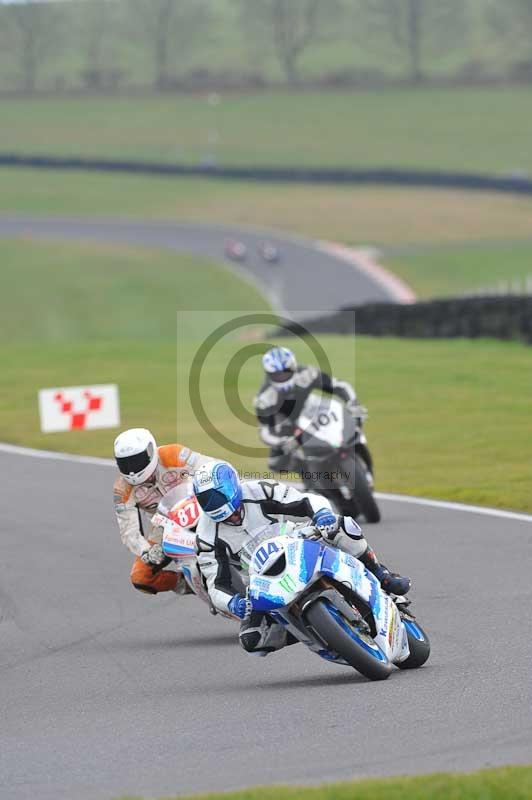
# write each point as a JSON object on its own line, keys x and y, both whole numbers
{"x": 351, "y": 644}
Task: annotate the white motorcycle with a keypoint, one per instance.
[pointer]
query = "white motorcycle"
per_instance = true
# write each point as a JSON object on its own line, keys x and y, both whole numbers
{"x": 330, "y": 602}
{"x": 336, "y": 460}
{"x": 177, "y": 516}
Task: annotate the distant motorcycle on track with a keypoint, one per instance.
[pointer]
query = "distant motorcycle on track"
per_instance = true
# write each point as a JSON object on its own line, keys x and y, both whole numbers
{"x": 328, "y": 601}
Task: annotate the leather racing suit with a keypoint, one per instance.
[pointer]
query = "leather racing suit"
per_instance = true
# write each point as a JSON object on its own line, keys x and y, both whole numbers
{"x": 278, "y": 411}
{"x": 219, "y": 545}
{"x": 135, "y": 505}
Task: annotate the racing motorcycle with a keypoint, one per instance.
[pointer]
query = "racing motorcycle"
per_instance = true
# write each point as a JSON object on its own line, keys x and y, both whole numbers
{"x": 328, "y": 601}
{"x": 177, "y": 516}
{"x": 335, "y": 456}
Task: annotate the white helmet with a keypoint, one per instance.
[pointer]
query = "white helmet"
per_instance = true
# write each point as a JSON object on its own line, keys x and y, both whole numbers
{"x": 136, "y": 454}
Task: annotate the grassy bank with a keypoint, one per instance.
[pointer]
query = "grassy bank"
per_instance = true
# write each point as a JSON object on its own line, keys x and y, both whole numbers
{"x": 448, "y": 269}
{"x": 448, "y": 419}
{"x": 420, "y": 128}
{"x": 72, "y": 291}
{"x": 508, "y": 783}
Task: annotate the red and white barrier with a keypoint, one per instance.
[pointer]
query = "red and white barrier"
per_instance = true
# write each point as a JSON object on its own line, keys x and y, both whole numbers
{"x": 365, "y": 259}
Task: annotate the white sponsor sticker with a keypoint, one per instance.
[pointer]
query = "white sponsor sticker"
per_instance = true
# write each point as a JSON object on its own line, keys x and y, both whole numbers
{"x": 79, "y": 408}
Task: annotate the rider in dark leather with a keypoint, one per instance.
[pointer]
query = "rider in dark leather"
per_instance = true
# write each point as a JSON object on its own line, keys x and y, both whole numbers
{"x": 281, "y": 399}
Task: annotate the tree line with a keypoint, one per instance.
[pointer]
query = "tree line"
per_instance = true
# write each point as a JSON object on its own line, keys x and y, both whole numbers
{"x": 165, "y": 44}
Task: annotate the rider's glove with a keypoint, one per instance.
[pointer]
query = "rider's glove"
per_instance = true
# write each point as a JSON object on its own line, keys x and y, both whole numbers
{"x": 239, "y": 606}
{"x": 326, "y": 522}
{"x": 154, "y": 556}
{"x": 359, "y": 412}
{"x": 290, "y": 444}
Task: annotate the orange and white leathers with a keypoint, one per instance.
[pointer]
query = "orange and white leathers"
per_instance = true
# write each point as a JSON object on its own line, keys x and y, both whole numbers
{"x": 176, "y": 466}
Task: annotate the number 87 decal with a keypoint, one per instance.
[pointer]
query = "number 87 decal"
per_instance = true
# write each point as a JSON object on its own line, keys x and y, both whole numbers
{"x": 185, "y": 513}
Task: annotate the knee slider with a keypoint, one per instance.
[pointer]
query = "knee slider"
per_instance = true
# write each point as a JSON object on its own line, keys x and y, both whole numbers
{"x": 250, "y": 640}
{"x": 143, "y": 588}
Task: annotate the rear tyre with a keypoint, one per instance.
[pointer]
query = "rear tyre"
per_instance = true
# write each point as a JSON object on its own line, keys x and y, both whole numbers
{"x": 364, "y": 493}
{"x": 344, "y": 638}
{"x": 419, "y": 645}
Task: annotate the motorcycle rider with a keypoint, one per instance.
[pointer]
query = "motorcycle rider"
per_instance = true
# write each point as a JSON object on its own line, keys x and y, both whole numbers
{"x": 234, "y": 512}
{"x": 281, "y": 398}
{"x": 147, "y": 473}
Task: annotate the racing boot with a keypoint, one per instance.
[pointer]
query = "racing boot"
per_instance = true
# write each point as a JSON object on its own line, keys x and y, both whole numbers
{"x": 259, "y": 635}
{"x": 391, "y": 582}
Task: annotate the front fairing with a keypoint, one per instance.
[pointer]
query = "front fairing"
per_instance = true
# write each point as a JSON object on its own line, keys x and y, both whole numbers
{"x": 391, "y": 635}
{"x": 314, "y": 449}
{"x": 306, "y": 561}
{"x": 178, "y": 543}
{"x": 326, "y": 427}
{"x": 270, "y": 592}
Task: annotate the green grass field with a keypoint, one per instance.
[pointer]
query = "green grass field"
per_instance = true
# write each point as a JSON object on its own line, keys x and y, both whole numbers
{"x": 67, "y": 292}
{"x": 468, "y": 129}
{"x": 447, "y": 418}
{"x": 453, "y": 269}
{"x": 508, "y": 783}
{"x": 438, "y": 241}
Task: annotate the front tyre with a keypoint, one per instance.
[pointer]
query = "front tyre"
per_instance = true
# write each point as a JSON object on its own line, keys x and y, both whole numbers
{"x": 344, "y": 638}
{"x": 419, "y": 645}
{"x": 364, "y": 492}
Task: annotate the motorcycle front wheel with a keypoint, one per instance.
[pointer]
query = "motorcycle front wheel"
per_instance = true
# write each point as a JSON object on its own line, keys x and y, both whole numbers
{"x": 343, "y": 637}
{"x": 364, "y": 497}
{"x": 419, "y": 645}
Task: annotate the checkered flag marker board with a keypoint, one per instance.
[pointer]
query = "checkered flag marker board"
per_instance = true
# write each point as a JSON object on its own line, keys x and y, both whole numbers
{"x": 79, "y": 408}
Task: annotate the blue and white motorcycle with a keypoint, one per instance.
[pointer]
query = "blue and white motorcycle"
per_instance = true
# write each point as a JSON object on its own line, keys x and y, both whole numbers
{"x": 328, "y": 601}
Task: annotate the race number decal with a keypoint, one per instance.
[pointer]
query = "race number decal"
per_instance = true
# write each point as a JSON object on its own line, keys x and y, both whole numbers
{"x": 323, "y": 419}
{"x": 186, "y": 513}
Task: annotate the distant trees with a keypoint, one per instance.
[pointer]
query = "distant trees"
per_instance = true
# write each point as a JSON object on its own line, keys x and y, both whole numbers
{"x": 522, "y": 15}
{"x": 169, "y": 28}
{"x": 96, "y": 19}
{"x": 290, "y": 26}
{"x": 31, "y": 34}
{"x": 97, "y": 43}
{"x": 417, "y": 27}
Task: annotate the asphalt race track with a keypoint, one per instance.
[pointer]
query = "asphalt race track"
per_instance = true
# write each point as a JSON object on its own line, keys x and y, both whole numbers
{"x": 334, "y": 283}
{"x": 105, "y": 691}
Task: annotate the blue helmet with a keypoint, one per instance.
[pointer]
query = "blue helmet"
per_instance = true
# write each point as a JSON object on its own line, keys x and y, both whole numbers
{"x": 218, "y": 490}
{"x": 280, "y": 365}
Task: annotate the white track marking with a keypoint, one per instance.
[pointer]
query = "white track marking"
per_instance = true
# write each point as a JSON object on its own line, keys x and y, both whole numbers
{"x": 421, "y": 501}
{"x": 360, "y": 259}
{"x": 396, "y": 498}
{"x": 50, "y": 454}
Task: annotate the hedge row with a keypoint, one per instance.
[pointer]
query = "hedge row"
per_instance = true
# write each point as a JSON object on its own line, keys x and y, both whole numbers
{"x": 506, "y": 317}
{"x": 386, "y": 177}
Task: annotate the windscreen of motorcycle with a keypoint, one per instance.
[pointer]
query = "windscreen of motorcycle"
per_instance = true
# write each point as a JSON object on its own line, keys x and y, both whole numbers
{"x": 265, "y": 534}
{"x": 173, "y": 497}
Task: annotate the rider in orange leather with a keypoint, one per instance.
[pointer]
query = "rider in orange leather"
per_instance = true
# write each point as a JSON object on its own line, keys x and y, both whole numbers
{"x": 147, "y": 473}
